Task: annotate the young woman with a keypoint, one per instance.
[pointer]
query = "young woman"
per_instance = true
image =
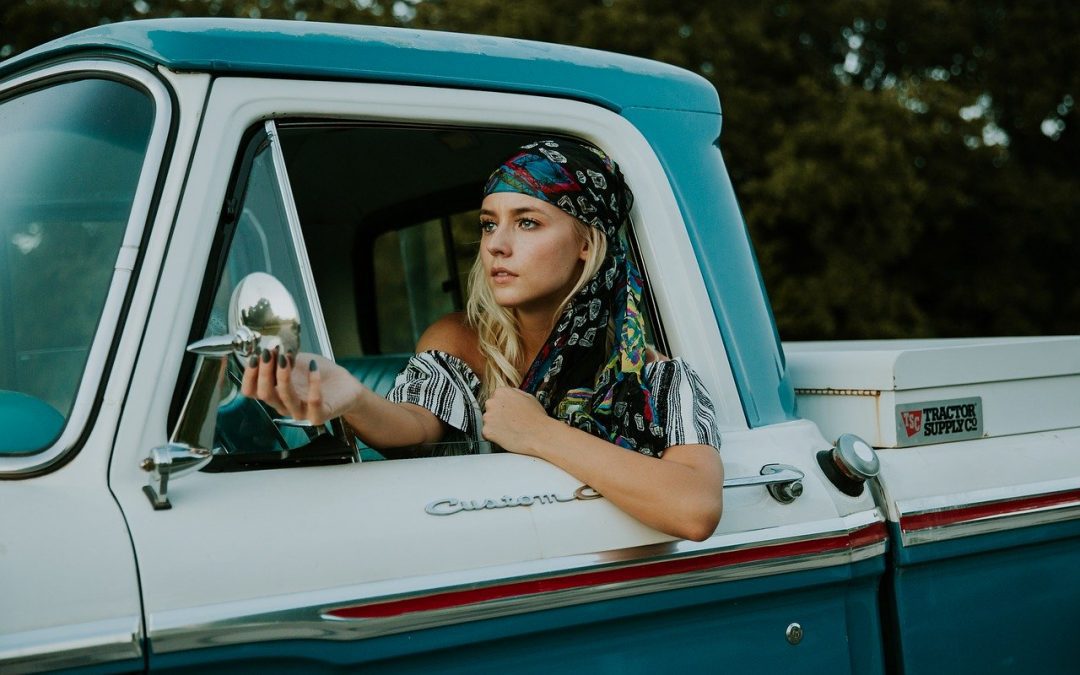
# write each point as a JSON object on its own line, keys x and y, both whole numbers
{"x": 550, "y": 358}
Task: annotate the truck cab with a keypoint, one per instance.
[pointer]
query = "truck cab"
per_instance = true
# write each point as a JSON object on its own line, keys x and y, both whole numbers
{"x": 878, "y": 494}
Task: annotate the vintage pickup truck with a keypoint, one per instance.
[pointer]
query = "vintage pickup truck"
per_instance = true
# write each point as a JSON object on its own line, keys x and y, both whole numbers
{"x": 896, "y": 507}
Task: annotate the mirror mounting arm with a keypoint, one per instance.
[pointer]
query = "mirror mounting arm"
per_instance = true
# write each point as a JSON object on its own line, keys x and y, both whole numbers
{"x": 262, "y": 316}
{"x": 189, "y": 448}
{"x": 172, "y": 459}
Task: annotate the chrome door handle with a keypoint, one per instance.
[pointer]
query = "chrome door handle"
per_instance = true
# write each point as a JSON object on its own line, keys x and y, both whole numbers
{"x": 783, "y": 482}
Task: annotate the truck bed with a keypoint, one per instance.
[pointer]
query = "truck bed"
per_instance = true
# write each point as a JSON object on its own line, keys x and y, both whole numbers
{"x": 897, "y": 393}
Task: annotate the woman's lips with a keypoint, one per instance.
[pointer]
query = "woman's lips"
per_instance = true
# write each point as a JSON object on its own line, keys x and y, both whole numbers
{"x": 502, "y": 276}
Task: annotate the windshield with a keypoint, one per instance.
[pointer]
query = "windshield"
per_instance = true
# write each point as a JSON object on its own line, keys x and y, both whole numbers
{"x": 70, "y": 159}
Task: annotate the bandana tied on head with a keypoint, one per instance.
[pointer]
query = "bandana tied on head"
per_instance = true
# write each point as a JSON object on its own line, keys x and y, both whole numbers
{"x": 576, "y": 376}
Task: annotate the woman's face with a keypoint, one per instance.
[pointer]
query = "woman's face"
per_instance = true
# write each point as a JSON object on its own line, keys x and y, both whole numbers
{"x": 530, "y": 250}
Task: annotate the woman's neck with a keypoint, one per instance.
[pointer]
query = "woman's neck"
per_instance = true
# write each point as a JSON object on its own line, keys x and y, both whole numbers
{"x": 534, "y": 328}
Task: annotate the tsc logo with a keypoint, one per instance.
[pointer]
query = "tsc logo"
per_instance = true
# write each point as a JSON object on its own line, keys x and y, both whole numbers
{"x": 912, "y": 422}
{"x": 939, "y": 421}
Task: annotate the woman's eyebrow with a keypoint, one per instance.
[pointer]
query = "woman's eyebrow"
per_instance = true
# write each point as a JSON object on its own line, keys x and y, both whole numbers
{"x": 514, "y": 212}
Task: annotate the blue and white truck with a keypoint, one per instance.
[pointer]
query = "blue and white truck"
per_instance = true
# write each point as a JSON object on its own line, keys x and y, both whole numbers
{"x": 890, "y": 506}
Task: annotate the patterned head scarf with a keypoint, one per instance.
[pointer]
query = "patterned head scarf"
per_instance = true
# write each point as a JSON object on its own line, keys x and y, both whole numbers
{"x": 576, "y": 376}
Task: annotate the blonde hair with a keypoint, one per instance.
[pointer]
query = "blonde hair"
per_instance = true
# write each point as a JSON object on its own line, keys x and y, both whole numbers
{"x": 496, "y": 326}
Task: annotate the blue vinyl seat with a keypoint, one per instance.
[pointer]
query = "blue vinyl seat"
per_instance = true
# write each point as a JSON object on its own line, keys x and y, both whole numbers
{"x": 378, "y": 374}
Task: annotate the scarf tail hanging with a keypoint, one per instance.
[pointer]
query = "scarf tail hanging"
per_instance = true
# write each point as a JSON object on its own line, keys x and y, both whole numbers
{"x": 576, "y": 376}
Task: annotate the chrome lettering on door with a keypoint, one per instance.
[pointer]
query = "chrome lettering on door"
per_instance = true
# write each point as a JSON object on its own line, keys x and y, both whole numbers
{"x": 449, "y": 506}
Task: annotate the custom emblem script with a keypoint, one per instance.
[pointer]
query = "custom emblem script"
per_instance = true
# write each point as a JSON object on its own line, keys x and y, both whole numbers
{"x": 449, "y": 506}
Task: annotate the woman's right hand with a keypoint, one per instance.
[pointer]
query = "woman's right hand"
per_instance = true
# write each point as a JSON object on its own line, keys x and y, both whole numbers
{"x": 304, "y": 387}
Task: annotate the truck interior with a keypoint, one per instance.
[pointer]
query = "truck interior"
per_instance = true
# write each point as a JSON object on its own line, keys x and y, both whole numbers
{"x": 389, "y": 216}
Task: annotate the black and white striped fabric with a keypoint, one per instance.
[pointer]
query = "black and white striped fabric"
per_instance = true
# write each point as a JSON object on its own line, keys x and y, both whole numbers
{"x": 446, "y": 386}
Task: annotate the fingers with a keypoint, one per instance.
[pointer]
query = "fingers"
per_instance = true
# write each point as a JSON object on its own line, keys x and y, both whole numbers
{"x": 251, "y": 374}
{"x": 284, "y": 388}
{"x": 314, "y": 394}
{"x": 265, "y": 385}
{"x": 260, "y": 380}
{"x": 269, "y": 377}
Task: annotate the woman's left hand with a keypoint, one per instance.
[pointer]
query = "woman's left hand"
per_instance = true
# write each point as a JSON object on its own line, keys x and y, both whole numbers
{"x": 515, "y": 420}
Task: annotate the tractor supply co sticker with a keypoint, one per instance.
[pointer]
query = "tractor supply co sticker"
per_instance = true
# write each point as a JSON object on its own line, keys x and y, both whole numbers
{"x": 956, "y": 419}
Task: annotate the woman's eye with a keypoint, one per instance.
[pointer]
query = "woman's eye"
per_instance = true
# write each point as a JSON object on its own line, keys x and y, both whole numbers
{"x": 528, "y": 223}
{"x": 487, "y": 226}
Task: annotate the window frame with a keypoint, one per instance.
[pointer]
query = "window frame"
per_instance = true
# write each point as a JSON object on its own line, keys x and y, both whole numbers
{"x": 260, "y": 137}
{"x": 236, "y": 104}
{"x": 663, "y": 242}
{"x": 102, "y": 347}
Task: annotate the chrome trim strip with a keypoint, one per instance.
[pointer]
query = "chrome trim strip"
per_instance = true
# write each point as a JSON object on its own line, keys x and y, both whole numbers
{"x": 322, "y": 337}
{"x": 909, "y": 507}
{"x": 991, "y": 524}
{"x": 137, "y": 223}
{"x": 69, "y": 646}
{"x": 306, "y": 615}
{"x": 1068, "y": 509}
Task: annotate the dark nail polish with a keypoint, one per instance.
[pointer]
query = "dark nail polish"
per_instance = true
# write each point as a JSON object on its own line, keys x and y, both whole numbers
{"x": 266, "y": 356}
{"x": 313, "y": 366}
{"x": 281, "y": 361}
{"x": 253, "y": 361}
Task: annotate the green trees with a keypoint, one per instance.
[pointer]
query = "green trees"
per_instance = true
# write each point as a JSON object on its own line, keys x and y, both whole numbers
{"x": 905, "y": 168}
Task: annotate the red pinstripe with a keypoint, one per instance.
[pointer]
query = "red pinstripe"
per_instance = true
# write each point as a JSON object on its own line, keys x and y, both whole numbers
{"x": 864, "y": 536}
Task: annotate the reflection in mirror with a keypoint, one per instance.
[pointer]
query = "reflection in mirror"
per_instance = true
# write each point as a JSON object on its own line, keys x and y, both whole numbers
{"x": 261, "y": 304}
{"x": 262, "y": 315}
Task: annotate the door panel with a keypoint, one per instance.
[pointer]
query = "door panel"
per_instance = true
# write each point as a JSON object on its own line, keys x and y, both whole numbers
{"x": 738, "y": 626}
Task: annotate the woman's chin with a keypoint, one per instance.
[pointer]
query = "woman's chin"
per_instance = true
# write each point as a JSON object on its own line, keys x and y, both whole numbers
{"x": 506, "y": 298}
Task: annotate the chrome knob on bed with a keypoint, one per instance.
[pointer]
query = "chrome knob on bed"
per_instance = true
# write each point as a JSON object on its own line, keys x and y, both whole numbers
{"x": 850, "y": 463}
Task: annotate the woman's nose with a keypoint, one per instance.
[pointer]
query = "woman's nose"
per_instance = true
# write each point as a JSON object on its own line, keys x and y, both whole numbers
{"x": 498, "y": 242}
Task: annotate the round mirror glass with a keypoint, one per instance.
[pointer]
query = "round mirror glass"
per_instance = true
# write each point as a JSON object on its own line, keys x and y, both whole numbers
{"x": 262, "y": 305}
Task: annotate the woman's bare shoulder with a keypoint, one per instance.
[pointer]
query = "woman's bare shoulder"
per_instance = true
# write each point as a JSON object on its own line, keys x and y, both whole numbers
{"x": 652, "y": 356}
{"x": 452, "y": 334}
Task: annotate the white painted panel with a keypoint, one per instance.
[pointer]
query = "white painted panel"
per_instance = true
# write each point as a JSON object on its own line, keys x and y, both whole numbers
{"x": 1025, "y": 384}
{"x": 967, "y": 472}
{"x": 916, "y": 364}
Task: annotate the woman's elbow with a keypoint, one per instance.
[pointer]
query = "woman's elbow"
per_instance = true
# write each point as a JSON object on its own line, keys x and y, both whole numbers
{"x": 707, "y": 505}
{"x": 701, "y": 524}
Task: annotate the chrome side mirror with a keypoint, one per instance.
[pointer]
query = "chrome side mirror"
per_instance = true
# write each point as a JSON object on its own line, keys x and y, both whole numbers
{"x": 262, "y": 315}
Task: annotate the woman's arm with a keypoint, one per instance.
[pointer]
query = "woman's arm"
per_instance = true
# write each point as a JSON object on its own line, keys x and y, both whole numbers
{"x": 680, "y": 494}
{"x": 316, "y": 389}
{"x": 313, "y": 388}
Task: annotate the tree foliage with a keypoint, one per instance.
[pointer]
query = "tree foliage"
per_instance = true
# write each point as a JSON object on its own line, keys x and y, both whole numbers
{"x": 906, "y": 168}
